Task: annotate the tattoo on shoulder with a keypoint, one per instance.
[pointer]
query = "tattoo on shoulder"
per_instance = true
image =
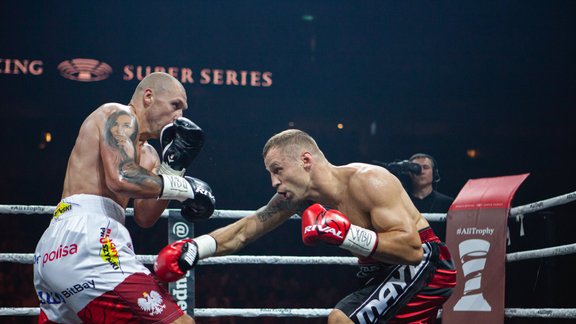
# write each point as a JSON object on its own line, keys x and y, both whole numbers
{"x": 120, "y": 133}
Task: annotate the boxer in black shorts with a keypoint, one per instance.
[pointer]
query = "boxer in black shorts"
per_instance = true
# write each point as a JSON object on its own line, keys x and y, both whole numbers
{"x": 359, "y": 207}
{"x": 409, "y": 293}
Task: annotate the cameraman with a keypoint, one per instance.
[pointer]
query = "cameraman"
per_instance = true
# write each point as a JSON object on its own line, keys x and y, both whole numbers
{"x": 423, "y": 190}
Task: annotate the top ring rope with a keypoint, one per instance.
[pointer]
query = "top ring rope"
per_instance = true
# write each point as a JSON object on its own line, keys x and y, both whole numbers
{"x": 224, "y": 213}
{"x": 543, "y": 204}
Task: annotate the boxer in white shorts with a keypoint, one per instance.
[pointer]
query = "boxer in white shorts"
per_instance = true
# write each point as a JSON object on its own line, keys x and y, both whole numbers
{"x": 85, "y": 263}
{"x": 85, "y": 268}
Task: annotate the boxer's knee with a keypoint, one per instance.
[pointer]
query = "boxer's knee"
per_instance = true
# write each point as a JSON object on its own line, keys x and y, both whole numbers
{"x": 337, "y": 316}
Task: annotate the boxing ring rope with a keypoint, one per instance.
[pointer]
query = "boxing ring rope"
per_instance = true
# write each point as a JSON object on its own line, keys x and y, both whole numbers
{"x": 223, "y": 213}
{"x": 311, "y": 312}
{"x": 565, "y": 313}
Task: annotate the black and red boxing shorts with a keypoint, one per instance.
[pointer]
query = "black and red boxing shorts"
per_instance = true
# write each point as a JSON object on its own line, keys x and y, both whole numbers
{"x": 403, "y": 293}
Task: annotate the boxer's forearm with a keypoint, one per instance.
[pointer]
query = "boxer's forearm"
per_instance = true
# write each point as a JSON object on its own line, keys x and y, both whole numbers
{"x": 148, "y": 211}
{"x": 231, "y": 238}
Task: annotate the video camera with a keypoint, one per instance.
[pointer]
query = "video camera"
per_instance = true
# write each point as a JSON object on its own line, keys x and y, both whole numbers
{"x": 401, "y": 167}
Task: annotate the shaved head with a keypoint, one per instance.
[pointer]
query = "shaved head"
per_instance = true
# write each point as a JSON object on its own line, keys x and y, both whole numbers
{"x": 158, "y": 82}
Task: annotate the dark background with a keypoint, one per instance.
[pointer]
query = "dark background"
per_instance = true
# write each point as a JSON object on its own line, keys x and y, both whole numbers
{"x": 439, "y": 77}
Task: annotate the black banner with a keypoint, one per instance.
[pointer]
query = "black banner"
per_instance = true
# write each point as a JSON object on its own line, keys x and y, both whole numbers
{"x": 183, "y": 289}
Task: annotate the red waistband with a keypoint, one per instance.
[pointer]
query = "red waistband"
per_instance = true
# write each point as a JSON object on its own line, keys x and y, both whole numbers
{"x": 428, "y": 235}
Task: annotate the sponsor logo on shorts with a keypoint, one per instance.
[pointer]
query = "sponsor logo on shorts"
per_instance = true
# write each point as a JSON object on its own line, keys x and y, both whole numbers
{"x": 389, "y": 292}
{"x": 61, "y": 209}
{"x": 368, "y": 270}
{"x": 108, "y": 253}
{"x": 77, "y": 288}
{"x": 51, "y": 298}
{"x": 152, "y": 302}
{"x": 61, "y": 252}
{"x": 84, "y": 70}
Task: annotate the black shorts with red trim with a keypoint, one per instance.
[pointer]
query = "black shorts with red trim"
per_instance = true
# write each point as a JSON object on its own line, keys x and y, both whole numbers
{"x": 403, "y": 293}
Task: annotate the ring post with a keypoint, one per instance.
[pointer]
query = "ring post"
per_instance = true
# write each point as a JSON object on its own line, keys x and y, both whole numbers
{"x": 476, "y": 236}
{"x": 183, "y": 289}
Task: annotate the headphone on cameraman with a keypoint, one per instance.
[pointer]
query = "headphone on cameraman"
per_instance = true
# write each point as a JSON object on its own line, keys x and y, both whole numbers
{"x": 435, "y": 172}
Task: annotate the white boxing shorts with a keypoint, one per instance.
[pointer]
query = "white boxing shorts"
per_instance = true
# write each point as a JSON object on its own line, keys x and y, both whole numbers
{"x": 85, "y": 269}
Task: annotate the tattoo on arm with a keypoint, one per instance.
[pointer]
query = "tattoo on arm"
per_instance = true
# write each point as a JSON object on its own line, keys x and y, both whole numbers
{"x": 280, "y": 205}
{"x": 265, "y": 214}
{"x": 136, "y": 174}
{"x": 120, "y": 134}
{"x": 121, "y": 131}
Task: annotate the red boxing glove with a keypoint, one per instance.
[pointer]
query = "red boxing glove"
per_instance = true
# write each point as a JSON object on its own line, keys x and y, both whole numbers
{"x": 332, "y": 227}
{"x": 321, "y": 225}
{"x": 177, "y": 258}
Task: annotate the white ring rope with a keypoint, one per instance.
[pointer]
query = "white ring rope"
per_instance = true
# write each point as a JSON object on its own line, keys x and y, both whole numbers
{"x": 224, "y": 213}
{"x": 219, "y": 213}
{"x": 540, "y": 312}
{"x": 205, "y": 312}
{"x": 28, "y": 258}
{"x": 256, "y": 312}
{"x": 543, "y": 204}
{"x": 542, "y": 253}
{"x": 211, "y": 312}
{"x": 275, "y": 259}
{"x": 310, "y": 312}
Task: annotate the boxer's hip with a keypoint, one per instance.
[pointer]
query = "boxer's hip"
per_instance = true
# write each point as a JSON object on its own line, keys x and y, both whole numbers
{"x": 85, "y": 251}
{"x": 83, "y": 204}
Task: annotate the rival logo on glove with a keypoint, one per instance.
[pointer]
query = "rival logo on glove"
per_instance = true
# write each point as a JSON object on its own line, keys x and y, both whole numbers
{"x": 205, "y": 192}
{"x": 323, "y": 230}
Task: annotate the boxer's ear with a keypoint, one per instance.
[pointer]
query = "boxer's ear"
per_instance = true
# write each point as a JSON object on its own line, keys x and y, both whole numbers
{"x": 306, "y": 159}
{"x": 148, "y": 97}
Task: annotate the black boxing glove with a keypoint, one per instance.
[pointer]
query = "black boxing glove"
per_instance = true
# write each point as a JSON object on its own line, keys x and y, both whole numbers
{"x": 180, "y": 142}
{"x": 202, "y": 205}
